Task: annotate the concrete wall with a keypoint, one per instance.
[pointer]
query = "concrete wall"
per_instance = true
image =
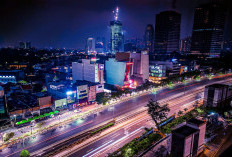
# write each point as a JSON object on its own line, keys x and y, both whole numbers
{"x": 166, "y": 142}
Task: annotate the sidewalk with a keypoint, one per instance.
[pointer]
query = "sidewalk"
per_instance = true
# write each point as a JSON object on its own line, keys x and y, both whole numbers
{"x": 220, "y": 144}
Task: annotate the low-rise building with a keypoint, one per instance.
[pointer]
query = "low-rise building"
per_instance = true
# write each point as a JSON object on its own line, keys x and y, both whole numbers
{"x": 188, "y": 139}
{"x": 218, "y": 96}
{"x": 11, "y": 76}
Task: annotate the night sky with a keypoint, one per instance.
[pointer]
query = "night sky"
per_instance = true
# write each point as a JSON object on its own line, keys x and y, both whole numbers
{"x": 68, "y": 23}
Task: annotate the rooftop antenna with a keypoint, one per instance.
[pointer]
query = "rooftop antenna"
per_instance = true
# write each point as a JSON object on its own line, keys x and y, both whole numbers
{"x": 116, "y": 11}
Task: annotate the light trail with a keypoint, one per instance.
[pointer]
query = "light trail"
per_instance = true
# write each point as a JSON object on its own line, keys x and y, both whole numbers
{"x": 50, "y": 138}
{"x": 119, "y": 140}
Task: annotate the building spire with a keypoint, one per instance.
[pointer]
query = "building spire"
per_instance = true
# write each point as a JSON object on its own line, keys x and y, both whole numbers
{"x": 116, "y": 13}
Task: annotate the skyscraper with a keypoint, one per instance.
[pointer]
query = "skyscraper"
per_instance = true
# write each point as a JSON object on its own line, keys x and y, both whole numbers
{"x": 185, "y": 45}
{"x": 167, "y": 32}
{"x": 208, "y": 29}
{"x": 90, "y": 47}
{"x": 116, "y": 34}
{"x": 149, "y": 39}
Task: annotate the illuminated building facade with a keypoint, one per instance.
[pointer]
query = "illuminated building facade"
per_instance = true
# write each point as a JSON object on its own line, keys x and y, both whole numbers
{"x": 118, "y": 72}
{"x": 11, "y": 76}
{"x": 208, "y": 30}
{"x": 116, "y": 34}
{"x": 130, "y": 69}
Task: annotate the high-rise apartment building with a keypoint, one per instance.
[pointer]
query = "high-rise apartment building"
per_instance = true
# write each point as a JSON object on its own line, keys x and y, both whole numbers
{"x": 167, "y": 32}
{"x": 149, "y": 39}
{"x": 116, "y": 34}
{"x": 208, "y": 30}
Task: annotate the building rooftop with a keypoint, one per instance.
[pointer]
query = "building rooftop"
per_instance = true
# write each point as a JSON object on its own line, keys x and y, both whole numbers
{"x": 185, "y": 130}
{"x": 195, "y": 121}
{"x": 217, "y": 85}
{"x": 10, "y": 70}
{"x": 83, "y": 82}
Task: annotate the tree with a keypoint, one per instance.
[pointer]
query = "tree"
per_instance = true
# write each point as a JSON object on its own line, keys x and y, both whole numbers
{"x": 24, "y": 153}
{"x": 157, "y": 112}
{"x": 8, "y": 136}
{"x": 185, "y": 109}
{"x": 180, "y": 113}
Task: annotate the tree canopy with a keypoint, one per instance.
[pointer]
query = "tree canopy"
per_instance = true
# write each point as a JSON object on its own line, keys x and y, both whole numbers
{"x": 157, "y": 112}
{"x": 24, "y": 153}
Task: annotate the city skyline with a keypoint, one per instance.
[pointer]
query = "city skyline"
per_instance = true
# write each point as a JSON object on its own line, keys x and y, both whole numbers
{"x": 53, "y": 24}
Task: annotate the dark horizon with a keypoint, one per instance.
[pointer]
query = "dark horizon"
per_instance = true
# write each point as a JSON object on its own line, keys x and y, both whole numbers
{"x": 57, "y": 24}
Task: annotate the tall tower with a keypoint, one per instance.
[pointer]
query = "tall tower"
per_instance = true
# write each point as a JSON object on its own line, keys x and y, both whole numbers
{"x": 149, "y": 39}
{"x": 90, "y": 47}
{"x": 208, "y": 30}
{"x": 167, "y": 32}
{"x": 116, "y": 34}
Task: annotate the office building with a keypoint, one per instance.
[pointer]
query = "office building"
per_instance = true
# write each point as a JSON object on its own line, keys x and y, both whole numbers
{"x": 88, "y": 71}
{"x": 149, "y": 40}
{"x": 159, "y": 70}
{"x": 90, "y": 46}
{"x": 188, "y": 139}
{"x": 208, "y": 30}
{"x": 218, "y": 96}
{"x": 185, "y": 45}
{"x": 167, "y": 32}
{"x": 116, "y": 34}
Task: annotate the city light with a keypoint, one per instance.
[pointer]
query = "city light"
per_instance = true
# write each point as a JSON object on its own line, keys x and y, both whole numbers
{"x": 69, "y": 93}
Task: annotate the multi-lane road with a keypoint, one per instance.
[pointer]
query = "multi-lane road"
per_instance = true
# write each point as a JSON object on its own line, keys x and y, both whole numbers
{"x": 60, "y": 133}
{"x": 131, "y": 128}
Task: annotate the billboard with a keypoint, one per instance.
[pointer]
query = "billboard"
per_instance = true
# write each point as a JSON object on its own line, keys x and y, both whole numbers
{"x": 45, "y": 101}
{"x": 71, "y": 96}
{"x": 60, "y": 103}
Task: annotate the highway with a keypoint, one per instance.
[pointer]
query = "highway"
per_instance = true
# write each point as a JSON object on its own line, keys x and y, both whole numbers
{"x": 60, "y": 133}
{"x": 132, "y": 128}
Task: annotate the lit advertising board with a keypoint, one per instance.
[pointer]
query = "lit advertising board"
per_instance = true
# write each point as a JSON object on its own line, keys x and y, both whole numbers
{"x": 71, "y": 96}
{"x": 61, "y": 102}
